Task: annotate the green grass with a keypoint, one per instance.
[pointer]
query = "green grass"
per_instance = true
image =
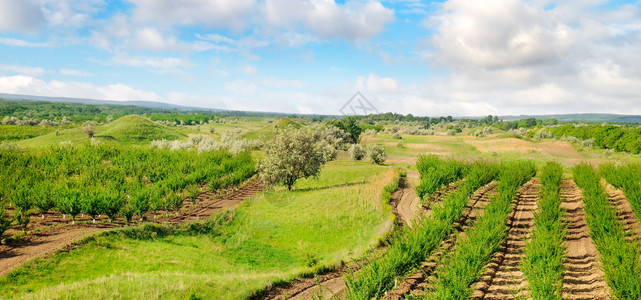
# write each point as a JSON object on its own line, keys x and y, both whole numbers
{"x": 544, "y": 254}
{"x": 18, "y": 132}
{"x": 126, "y": 130}
{"x": 275, "y": 236}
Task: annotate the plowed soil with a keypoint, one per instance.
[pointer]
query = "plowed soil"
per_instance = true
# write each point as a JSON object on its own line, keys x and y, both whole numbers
{"x": 409, "y": 204}
{"x": 47, "y": 241}
{"x": 625, "y": 213}
{"x": 417, "y": 282}
{"x": 503, "y": 278}
{"x": 583, "y": 278}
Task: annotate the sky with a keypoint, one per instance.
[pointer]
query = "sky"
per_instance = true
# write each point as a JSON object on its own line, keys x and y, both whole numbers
{"x": 427, "y": 58}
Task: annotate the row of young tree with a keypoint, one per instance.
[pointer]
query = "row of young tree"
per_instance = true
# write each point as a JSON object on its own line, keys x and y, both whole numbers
{"x": 116, "y": 181}
{"x": 605, "y": 136}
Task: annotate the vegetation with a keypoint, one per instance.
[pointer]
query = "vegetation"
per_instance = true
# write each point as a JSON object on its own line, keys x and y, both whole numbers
{"x": 435, "y": 173}
{"x": 411, "y": 246}
{"x": 544, "y": 254}
{"x": 276, "y": 236}
{"x": 626, "y": 177}
{"x": 466, "y": 263}
{"x": 620, "y": 257}
{"x": 356, "y": 152}
{"x": 605, "y": 137}
{"x": 111, "y": 179}
{"x": 376, "y": 154}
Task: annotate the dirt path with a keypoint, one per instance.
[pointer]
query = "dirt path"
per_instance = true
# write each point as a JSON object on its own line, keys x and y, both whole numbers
{"x": 48, "y": 241}
{"x": 409, "y": 205}
{"x": 503, "y": 278}
{"x": 625, "y": 213}
{"x": 418, "y": 282}
{"x": 583, "y": 278}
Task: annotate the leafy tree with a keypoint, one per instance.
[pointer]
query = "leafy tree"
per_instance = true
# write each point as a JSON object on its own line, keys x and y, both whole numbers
{"x": 4, "y": 222}
{"x": 350, "y": 127}
{"x": 356, "y": 152}
{"x": 23, "y": 202}
{"x": 91, "y": 203}
{"x": 376, "y": 154}
{"x": 292, "y": 154}
{"x": 43, "y": 199}
{"x": 112, "y": 202}
{"x": 69, "y": 202}
{"x": 140, "y": 202}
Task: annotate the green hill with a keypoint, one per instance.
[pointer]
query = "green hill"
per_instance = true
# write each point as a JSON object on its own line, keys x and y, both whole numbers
{"x": 284, "y": 122}
{"x": 126, "y": 130}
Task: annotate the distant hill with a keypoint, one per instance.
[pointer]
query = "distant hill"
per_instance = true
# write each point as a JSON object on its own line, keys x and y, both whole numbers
{"x": 578, "y": 117}
{"x": 126, "y": 130}
{"x": 148, "y": 104}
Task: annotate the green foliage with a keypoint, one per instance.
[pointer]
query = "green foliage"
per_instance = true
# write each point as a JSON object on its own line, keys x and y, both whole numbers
{"x": 350, "y": 126}
{"x": 293, "y": 154}
{"x": 136, "y": 129}
{"x": 356, "y": 152}
{"x": 412, "y": 246}
{"x": 19, "y": 132}
{"x": 376, "y": 154}
{"x": 619, "y": 256}
{"x": 466, "y": 263}
{"x": 286, "y": 122}
{"x": 544, "y": 254}
{"x": 626, "y": 178}
{"x": 113, "y": 180}
{"x": 605, "y": 137}
{"x": 435, "y": 172}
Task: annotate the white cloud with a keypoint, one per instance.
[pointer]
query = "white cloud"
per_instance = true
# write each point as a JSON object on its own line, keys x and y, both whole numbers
{"x": 21, "y": 43}
{"x": 523, "y": 57}
{"x": 151, "y": 62}
{"x": 32, "y": 86}
{"x": 282, "y": 83}
{"x": 249, "y": 70}
{"x": 378, "y": 84}
{"x": 72, "y": 72}
{"x": 353, "y": 20}
{"x": 21, "y": 16}
{"x": 21, "y": 70}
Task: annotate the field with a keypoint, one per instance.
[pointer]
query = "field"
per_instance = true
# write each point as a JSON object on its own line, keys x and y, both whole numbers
{"x": 450, "y": 214}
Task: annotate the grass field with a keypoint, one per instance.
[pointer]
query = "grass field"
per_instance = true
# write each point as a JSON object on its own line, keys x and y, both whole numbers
{"x": 274, "y": 236}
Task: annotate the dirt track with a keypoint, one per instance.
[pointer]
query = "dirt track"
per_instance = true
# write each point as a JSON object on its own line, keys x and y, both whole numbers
{"x": 625, "y": 213}
{"x": 48, "y": 241}
{"x": 583, "y": 278}
{"x": 418, "y": 282}
{"x": 503, "y": 278}
{"x": 409, "y": 205}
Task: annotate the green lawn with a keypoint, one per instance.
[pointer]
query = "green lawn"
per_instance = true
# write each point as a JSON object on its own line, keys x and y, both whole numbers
{"x": 275, "y": 236}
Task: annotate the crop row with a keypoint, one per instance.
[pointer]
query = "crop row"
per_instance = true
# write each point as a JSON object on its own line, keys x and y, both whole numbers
{"x": 620, "y": 257}
{"x": 466, "y": 263}
{"x": 627, "y": 179}
{"x": 435, "y": 173}
{"x": 411, "y": 246}
{"x": 544, "y": 254}
{"x": 112, "y": 180}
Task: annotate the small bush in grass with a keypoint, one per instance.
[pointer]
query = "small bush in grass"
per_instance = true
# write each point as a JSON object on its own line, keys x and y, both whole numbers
{"x": 397, "y": 136}
{"x": 88, "y": 128}
{"x": 451, "y": 132}
{"x": 376, "y": 154}
{"x": 356, "y": 152}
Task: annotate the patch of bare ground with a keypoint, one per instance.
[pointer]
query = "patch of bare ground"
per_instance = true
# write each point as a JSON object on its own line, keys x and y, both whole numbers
{"x": 417, "y": 282}
{"x": 503, "y": 278}
{"x": 625, "y": 213}
{"x": 407, "y": 205}
{"x": 583, "y": 278}
{"x": 49, "y": 240}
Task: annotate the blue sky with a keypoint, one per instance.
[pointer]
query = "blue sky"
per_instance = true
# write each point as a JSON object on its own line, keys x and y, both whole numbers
{"x": 455, "y": 57}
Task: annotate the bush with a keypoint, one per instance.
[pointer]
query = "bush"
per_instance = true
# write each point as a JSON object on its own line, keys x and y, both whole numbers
{"x": 451, "y": 132}
{"x": 376, "y": 154}
{"x": 397, "y": 136}
{"x": 356, "y": 152}
{"x": 483, "y": 132}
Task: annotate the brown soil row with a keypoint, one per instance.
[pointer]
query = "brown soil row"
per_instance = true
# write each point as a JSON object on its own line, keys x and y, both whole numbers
{"x": 409, "y": 204}
{"x": 503, "y": 278}
{"x": 625, "y": 213}
{"x": 47, "y": 241}
{"x": 583, "y": 278}
{"x": 417, "y": 282}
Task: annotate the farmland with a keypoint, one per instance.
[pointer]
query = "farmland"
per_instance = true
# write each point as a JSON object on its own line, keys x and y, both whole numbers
{"x": 152, "y": 207}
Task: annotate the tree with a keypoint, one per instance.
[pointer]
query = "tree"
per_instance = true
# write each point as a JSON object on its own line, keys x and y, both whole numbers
{"x": 350, "y": 127}
{"x": 69, "y": 202}
{"x": 23, "y": 202}
{"x": 87, "y": 127}
{"x": 112, "y": 202}
{"x": 91, "y": 203}
{"x": 292, "y": 154}
{"x": 376, "y": 154}
{"x": 4, "y": 222}
{"x": 356, "y": 152}
{"x": 42, "y": 198}
{"x": 140, "y": 202}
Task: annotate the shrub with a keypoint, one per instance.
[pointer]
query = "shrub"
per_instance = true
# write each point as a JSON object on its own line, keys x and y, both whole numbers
{"x": 356, "y": 152}
{"x": 397, "y": 136}
{"x": 88, "y": 128}
{"x": 376, "y": 154}
{"x": 451, "y": 132}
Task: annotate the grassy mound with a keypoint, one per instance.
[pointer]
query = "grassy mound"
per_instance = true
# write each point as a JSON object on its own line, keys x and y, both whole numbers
{"x": 284, "y": 122}
{"x": 136, "y": 129}
{"x": 126, "y": 130}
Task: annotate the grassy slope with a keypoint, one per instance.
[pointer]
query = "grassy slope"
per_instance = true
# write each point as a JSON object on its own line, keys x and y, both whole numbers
{"x": 125, "y": 130}
{"x": 272, "y": 237}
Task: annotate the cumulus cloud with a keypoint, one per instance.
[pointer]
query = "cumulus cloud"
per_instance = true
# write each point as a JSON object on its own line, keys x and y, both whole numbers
{"x": 21, "y": 16}
{"x": 525, "y": 56}
{"x": 151, "y": 62}
{"x": 21, "y": 84}
{"x": 353, "y": 20}
{"x": 378, "y": 84}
